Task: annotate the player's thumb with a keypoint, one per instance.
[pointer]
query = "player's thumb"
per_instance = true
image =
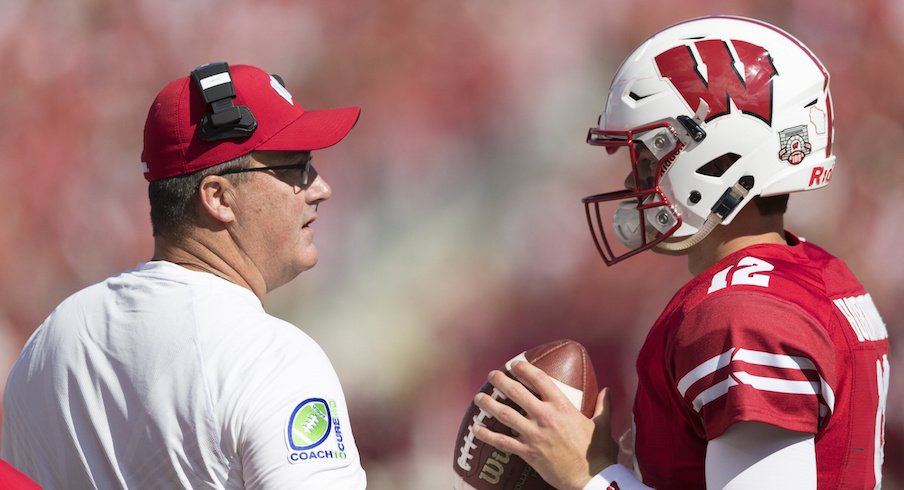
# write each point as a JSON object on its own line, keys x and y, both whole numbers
{"x": 603, "y": 445}
{"x": 603, "y": 403}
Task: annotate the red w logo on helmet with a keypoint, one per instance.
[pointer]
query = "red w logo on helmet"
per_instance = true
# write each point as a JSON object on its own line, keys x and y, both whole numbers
{"x": 746, "y": 80}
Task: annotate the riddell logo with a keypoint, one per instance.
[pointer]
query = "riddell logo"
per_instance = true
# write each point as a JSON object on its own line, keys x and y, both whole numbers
{"x": 711, "y": 72}
{"x": 820, "y": 177}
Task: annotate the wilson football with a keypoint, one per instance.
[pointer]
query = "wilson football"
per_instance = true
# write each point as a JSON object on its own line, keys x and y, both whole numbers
{"x": 479, "y": 466}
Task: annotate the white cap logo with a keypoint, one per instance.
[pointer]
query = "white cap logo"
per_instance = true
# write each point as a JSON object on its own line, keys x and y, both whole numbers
{"x": 281, "y": 90}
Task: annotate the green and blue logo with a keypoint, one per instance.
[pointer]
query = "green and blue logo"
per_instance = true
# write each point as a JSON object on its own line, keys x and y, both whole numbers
{"x": 309, "y": 424}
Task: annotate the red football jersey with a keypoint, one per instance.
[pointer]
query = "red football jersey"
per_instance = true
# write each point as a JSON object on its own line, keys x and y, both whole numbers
{"x": 783, "y": 335}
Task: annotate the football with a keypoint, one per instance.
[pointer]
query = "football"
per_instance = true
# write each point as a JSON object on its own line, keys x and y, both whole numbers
{"x": 479, "y": 466}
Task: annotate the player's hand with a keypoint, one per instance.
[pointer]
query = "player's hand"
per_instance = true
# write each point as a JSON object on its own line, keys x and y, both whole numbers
{"x": 566, "y": 448}
{"x": 626, "y": 449}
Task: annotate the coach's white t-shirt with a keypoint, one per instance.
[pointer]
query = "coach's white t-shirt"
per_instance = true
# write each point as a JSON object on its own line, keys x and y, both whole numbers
{"x": 162, "y": 377}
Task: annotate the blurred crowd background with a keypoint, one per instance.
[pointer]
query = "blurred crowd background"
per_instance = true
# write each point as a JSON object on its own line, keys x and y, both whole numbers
{"x": 455, "y": 238}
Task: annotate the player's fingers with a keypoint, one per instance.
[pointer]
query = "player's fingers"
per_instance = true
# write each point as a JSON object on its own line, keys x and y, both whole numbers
{"x": 514, "y": 390}
{"x": 540, "y": 381}
{"x": 626, "y": 449}
{"x": 510, "y": 417}
{"x": 500, "y": 441}
{"x": 626, "y": 440}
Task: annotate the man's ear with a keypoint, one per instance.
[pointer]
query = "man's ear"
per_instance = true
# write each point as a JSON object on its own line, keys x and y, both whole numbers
{"x": 215, "y": 194}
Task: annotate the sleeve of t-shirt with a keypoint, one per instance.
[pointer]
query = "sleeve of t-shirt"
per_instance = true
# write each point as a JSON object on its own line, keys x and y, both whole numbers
{"x": 754, "y": 455}
{"x": 742, "y": 356}
{"x": 292, "y": 427}
{"x": 747, "y": 456}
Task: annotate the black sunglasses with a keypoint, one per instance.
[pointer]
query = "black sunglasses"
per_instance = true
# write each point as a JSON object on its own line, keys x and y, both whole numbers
{"x": 304, "y": 167}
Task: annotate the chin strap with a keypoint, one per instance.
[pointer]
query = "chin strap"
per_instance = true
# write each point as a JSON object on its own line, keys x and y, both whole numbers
{"x": 731, "y": 198}
{"x": 711, "y": 222}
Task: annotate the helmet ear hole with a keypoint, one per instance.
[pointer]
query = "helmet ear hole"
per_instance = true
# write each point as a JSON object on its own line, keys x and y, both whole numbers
{"x": 718, "y": 166}
{"x": 771, "y": 205}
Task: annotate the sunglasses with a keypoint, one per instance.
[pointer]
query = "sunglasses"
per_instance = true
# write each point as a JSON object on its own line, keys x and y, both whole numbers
{"x": 304, "y": 167}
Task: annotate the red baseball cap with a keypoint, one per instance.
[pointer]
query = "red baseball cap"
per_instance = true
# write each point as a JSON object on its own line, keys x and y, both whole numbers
{"x": 172, "y": 145}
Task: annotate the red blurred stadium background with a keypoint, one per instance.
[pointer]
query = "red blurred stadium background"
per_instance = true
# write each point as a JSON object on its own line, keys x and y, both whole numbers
{"x": 455, "y": 237}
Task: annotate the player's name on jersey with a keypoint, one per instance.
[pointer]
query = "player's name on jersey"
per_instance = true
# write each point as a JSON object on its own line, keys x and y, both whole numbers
{"x": 863, "y": 316}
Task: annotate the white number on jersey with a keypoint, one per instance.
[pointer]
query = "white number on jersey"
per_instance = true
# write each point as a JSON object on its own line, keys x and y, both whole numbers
{"x": 748, "y": 272}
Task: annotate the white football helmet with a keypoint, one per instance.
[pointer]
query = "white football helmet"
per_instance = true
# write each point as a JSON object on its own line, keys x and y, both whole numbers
{"x": 725, "y": 109}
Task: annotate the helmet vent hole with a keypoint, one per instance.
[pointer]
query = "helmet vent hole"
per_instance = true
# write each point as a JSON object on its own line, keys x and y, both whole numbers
{"x": 718, "y": 166}
{"x": 811, "y": 103}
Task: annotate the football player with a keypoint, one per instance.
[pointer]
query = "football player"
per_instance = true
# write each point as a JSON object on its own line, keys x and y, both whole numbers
{"x": 769, "y": 369}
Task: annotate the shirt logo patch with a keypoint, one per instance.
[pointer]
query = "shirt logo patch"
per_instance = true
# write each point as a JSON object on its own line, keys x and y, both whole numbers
{"x": 309, "y": 432}
{"x": 309, "y": 424}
